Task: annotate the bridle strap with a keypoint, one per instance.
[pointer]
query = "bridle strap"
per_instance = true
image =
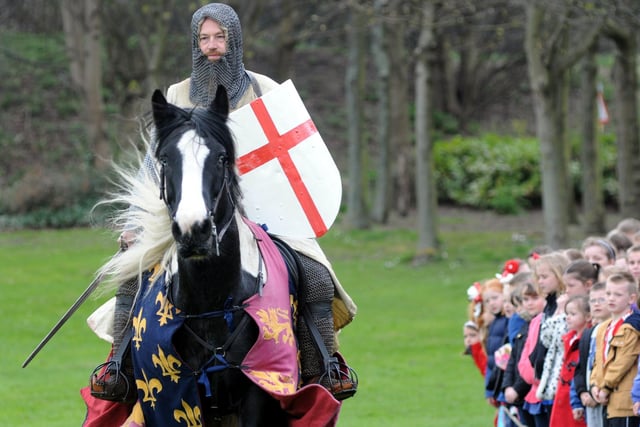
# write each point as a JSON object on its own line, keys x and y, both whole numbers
{"x": 163, "y": 188}
{"x": 217, "y": 236}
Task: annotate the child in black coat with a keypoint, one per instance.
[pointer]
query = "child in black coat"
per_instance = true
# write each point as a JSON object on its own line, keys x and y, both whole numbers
{"x": 528, "y": 303}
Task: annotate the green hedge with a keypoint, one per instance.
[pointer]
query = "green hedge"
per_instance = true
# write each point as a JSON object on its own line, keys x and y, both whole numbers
{"x": 503, "y": 173}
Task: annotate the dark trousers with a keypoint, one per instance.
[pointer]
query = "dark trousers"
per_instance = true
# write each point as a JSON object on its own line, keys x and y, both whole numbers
{"x": 526, "y": 418}
{"x": 622, "y": 422}
{"x": 542, "y": 419}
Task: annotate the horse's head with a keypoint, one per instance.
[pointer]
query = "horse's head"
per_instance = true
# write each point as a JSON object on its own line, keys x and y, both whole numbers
{"x": 198, "y": 182}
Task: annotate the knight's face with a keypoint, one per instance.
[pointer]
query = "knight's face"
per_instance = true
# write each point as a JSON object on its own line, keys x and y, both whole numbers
{"x": 212, "y": 40}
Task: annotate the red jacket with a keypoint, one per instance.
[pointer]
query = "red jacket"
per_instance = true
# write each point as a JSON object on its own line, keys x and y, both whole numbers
{"x": 479, "y": 357}
{"x": 561, "y": 411}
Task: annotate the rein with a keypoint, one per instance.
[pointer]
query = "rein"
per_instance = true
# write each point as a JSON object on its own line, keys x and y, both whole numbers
{"x": 218, "y": 361}
{"x": 228, "y": 309}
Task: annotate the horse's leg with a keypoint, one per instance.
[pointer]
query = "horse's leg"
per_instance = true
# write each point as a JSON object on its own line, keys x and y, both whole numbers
{"x": 258, "y": 409}
{"x": 229, "y": 421}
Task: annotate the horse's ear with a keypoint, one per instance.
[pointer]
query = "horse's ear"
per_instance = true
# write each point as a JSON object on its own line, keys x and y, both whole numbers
{"x": 220, "y": 103}
{"x": 159, "y": 106}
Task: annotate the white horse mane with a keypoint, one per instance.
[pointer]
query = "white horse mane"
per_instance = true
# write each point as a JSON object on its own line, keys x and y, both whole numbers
{"x": 140, "y": 209}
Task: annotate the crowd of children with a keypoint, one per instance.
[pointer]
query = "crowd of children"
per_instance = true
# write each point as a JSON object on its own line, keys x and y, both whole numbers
{"x": 556, "y": 337}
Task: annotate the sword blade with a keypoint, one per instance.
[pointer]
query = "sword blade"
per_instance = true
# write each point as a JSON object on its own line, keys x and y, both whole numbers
{"x": 66, "y": 316}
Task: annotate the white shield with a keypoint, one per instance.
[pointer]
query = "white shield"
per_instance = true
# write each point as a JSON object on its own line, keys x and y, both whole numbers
{"x": 288, "y": 178}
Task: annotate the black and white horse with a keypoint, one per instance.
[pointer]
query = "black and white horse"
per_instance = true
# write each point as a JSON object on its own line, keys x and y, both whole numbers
{"x": 213, "y": 339}
{"x": 216, "y": 267}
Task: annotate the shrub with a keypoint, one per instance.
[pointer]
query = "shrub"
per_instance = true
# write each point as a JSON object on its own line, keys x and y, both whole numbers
{"x": 502, "y": 173}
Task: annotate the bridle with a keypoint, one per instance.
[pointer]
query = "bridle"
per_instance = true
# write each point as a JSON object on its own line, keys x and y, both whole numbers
{"x": 217, "y": 237}
{"x": 225, "y": 187}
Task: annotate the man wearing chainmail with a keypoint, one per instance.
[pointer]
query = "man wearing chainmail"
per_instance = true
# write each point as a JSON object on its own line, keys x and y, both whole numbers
{"x": 217, "y": 56}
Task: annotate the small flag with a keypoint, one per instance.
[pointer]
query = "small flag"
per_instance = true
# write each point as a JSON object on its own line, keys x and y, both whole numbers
{"x": 603, "y": 113}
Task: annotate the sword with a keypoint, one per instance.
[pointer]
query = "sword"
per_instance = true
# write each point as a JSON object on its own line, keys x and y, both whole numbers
{"x": 66, "y": 316}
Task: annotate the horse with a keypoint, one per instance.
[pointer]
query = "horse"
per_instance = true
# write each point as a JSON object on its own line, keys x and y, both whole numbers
{"x": 212, "y": 335}
{"x": 207, "y": 286}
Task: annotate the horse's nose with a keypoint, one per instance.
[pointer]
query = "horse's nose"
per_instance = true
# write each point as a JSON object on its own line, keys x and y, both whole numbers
{"x": 201, "y": 230}
{"x": 195, "y": 240}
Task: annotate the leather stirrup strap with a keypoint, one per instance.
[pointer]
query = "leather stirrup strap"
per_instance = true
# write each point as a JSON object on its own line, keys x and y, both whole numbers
{"x": 317, "y": 338}
{"x": 119, "y": 355}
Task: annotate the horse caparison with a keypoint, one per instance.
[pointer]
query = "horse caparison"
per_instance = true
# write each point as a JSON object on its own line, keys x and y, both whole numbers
{"x": 199, "y": 185}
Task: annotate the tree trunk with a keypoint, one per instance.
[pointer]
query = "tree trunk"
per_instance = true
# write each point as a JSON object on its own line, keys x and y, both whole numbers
{"x": 357, "y": 215}
{"x": 625, "y": 82}
{"x": 593, "y": 222}
{"x": 154, "y": 46}
{"x": 380, "y": 48}
{"x": 401, "y": 136}
{"x": 554, "y": 183}
{"x": 404, "y": 177}
{"x": 81, "y": 22}
{"x": 464, "y": 83}
{"x": 286, "y": 42}
{"x": 562, "y": 103}
{"x": 446, "y": 77}
{"x": 425, "y": 183}
{"x": 548, "y": 62}
{"x": 545, "y": 89}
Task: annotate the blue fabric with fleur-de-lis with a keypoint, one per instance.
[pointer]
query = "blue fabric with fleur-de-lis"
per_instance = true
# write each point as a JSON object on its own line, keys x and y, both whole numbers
{"x": 167, "y": 387}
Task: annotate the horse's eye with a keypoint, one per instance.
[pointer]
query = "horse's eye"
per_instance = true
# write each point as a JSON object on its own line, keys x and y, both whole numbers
{"x": 163, "y": 161}
{"x": 222, "y": 159}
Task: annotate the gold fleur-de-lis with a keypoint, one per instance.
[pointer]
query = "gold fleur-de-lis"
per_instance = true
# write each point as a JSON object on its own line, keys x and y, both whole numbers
{"x": 164, "y": 312}
{"x": 191, "y": 416}
{"x": 150, "y": 387}
{"x": 169, "y": 365}
{"x": 276, "y": 325}
{"x": 139, "y": 326}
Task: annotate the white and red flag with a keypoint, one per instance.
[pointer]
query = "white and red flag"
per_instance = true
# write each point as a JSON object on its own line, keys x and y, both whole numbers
{"x": 603, "y": 112}
{"x": 287, "y": 175}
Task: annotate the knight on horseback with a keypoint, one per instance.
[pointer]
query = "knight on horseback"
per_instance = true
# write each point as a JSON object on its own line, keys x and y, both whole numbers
{"x": 217, "y": 55}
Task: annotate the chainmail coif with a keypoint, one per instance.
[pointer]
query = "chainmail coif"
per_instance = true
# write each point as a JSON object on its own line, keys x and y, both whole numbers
{"x": 229, "y": 70}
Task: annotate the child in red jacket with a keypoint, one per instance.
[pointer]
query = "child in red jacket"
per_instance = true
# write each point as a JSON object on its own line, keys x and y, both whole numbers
{"x": 578, "y": 318}
{"x": 473, "y": 345}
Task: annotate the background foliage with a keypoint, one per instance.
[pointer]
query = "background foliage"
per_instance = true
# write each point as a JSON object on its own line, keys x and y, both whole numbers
{"x": 502, "y": 173}
{"x": 47, "y": 157}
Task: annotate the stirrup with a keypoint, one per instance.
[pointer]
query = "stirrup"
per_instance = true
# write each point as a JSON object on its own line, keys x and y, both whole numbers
{"x": 109, "y": 382}
{"x": 339, "y": 379}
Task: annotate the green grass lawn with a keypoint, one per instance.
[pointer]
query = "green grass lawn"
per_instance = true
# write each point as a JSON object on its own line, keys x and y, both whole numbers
{"x": 405, "y": 343}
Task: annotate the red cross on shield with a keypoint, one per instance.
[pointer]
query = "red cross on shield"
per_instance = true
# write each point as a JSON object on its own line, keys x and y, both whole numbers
{"x": 288, "y": 177}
